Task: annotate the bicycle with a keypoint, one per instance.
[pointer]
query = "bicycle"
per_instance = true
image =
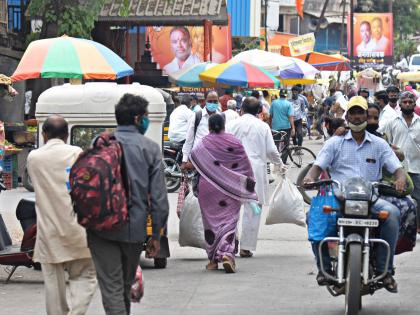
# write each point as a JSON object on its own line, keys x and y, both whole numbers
{"x": 299, "y": 156}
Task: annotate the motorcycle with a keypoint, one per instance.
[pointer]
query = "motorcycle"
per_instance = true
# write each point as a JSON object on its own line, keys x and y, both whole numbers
{"x": 354, "y": 272}
{"x": 172, "y": 160}
{"x": 19, "y": 255}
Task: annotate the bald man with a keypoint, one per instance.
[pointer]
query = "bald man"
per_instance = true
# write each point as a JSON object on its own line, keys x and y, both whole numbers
{"x": 60, "y": 242}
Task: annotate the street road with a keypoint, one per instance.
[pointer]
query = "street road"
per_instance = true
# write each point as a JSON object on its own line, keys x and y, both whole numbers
{"x": 279, "y": 279}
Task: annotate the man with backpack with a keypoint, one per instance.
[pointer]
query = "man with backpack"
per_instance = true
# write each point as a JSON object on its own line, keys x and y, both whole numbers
{"x": 60, "y": 242}
{"x": 116, "y": 250}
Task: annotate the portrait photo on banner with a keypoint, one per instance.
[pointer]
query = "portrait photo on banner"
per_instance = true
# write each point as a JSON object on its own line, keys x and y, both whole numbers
{"x": 178, "y": 47}
{"x": 373, "y": 37}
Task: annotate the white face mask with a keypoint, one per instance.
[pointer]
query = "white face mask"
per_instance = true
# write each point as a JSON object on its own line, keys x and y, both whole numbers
{"x": 357, "y": 128}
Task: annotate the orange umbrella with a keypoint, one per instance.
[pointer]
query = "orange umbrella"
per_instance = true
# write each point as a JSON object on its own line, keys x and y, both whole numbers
{"x": 321, "y": 61}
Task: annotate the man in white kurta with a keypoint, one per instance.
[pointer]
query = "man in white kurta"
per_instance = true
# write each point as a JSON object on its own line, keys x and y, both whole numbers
{"x": 60, "y": 242}
{"x": 258, "y": 142}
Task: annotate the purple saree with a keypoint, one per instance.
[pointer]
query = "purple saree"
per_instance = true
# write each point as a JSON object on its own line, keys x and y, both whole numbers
{"x": 226, "y": 181}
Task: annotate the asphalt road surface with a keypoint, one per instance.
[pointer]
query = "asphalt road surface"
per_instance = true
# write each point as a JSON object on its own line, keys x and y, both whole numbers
{"x": 279, "y": 279}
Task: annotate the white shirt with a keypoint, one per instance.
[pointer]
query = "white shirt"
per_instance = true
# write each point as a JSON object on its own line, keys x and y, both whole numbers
{"x": 230, "y": 115}
{"x": 178, "y": 123}
{"x": 385, "y": 116}
{"x": 407, "y": 138}
{"x": 381, "y": 44}
{"x": 258, "y": 142}
{"x": 202, "y": 131}
{"x": 173, "y": 66}
{"x": 365, "y": 47}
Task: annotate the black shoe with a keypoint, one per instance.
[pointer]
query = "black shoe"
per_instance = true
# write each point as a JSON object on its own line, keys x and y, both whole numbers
{"x": 390, "y": 284}
{"x": 321, "y": 279}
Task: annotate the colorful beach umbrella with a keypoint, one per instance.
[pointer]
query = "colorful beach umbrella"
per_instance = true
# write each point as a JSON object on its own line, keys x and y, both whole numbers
{"x": 300, "y": 70}
{"x": 269, "y": 61}
{"x": 69, "y": 57}
{"x": 240, "y": 74}
{"x": 189, "y": 77}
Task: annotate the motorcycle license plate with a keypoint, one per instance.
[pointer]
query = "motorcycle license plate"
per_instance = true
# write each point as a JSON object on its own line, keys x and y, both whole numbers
{"x": 358, "y": 222}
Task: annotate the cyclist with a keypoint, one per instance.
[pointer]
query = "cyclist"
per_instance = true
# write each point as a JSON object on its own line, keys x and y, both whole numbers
{"x": 282, "y": 119}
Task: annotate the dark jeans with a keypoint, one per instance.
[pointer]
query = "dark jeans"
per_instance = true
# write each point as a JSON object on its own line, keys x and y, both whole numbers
{"x": 416, "y": 194}
{"x": 286, "y": 142}
{"x": 319, "y": 122}
{"x": 309, "y": 121}
{"x": 116, "y": 264}
{"x": 298, "y": 138}
{"x": 326, "y": 259}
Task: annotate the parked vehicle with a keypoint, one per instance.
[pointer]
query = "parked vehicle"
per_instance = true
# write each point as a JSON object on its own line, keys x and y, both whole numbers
{"x": 89, "y": 110}
{"x": 354, "y": 272}
{"x": 172, "y": 160}
{"x": 21, "y": 254}
{"x": 414, "y": 63}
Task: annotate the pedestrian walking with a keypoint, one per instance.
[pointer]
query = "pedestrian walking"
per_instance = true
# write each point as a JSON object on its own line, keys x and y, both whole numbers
{"x": 282, "y": 117}
{"x": 298, "y": 112}
{"x": 258, "y": 142}
{"x": 226, "y": 181}
{"x": 231, "y": 113}
{"x": 116, "y": 252}
{"x": 198, "y": 127}
{"x": 60, "y": 242}
{"x": 178, "y": 121}
{"x": 404, "y": 133}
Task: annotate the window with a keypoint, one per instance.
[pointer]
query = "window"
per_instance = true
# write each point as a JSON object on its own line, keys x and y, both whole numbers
{"x": 281, "y": 23}
{"x": 294, "y": 25}
{"x": 82, "y": 136}
{"x": 415, "y": 61}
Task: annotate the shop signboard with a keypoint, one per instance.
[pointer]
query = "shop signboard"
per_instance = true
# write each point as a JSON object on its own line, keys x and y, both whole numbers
{"x": 372, "y": 39}
{"x": 174, "y": 48}
{"x": 302, "y": 45}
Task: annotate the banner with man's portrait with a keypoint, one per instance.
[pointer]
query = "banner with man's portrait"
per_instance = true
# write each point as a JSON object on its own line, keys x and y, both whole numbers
{"x": 372, "y": 38}
{"x": 175, "y": 48}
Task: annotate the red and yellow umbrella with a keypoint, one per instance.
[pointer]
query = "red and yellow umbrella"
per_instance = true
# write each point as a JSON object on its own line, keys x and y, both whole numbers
{"x": 69, "y": 57}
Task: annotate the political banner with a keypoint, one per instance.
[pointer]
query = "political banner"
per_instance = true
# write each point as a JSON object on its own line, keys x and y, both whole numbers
{"x": 174, "y": 48}
{"x": 372, "y": 39}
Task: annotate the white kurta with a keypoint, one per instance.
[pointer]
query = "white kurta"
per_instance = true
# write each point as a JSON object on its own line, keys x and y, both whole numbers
{"x": 59, "y": 237}
{"x": 258, "y": 142}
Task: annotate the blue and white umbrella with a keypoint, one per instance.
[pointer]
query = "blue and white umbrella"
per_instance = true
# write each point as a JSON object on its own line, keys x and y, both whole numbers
{"x": 189, "y": 77}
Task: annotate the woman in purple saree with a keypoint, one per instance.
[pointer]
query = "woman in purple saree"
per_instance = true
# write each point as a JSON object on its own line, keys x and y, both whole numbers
{"x": 226, "y": 181}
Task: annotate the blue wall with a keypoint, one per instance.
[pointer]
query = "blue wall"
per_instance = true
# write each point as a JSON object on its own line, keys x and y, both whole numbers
{"x": 239, "y": 11}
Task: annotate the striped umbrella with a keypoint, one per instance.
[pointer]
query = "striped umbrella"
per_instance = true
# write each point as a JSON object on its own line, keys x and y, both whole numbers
{"x": 240, "y": 74}
{"x": 300, "y": 70}
{"x": 69, "y": 57}
{"x": 189, "y": 77}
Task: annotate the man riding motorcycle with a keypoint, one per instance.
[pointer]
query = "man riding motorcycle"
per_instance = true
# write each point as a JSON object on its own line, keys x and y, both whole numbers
{"x": 359, "y": 153}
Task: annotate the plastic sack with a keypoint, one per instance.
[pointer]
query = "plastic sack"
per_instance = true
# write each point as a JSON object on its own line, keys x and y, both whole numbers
{"x": 320, "y": 224}
{"x": 137, "y": 289}
{"x": 286, "y": 204}
{"x": 183, "y": 191}
{"x": 191, "y": 230}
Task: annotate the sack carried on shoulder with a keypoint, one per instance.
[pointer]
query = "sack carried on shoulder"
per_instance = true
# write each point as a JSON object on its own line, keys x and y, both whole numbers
{"x": 320, "y": 224}
{"x": 99, "y": 185}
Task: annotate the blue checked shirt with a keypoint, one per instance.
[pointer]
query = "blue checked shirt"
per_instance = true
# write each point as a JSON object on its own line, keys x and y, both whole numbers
{"x": 344, "y": 158}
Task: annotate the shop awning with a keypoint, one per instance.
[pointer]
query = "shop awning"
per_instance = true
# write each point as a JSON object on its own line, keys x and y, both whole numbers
{"x": 159, "y": 13}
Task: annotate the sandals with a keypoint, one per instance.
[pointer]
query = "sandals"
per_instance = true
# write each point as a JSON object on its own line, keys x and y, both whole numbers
{"x": 228, "y": 264}
{"x": 245, "y": 253}
{"x": 390, "y": 284}
{"x": 212, "y": 266}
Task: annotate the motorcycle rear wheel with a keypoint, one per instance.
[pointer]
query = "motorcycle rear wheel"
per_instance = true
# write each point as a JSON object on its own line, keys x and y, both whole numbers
{"x": 353, "y": 298}
{"x": 172, "y": 183}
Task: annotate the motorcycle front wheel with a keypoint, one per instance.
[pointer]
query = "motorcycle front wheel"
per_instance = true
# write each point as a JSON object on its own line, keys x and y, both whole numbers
{"x": 353, "y": 279}
{"x": 172, "y": 183}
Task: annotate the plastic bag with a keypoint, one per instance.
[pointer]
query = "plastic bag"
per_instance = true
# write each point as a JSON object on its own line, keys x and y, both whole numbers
{"x": 191, "y": 230}
{"x": 286, "y": 204}
{"x": 320, "y": 224}
{"x": 137, "y": 289}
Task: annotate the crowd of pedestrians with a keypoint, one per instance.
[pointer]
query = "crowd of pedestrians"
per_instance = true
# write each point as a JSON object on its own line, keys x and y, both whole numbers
{"x": 229, "y": 142}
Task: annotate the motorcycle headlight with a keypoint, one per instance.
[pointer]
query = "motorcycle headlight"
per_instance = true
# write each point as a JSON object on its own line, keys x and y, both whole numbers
{"x": 356, "y": 207}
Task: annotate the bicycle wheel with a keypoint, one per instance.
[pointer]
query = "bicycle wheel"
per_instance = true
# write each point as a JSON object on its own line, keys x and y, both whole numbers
{"x": 299, "y": 183}
{"x": 301, "y": 156}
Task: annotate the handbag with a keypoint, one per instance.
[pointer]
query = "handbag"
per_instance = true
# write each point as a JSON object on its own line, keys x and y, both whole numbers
{"x": 320, "y": 224}
{"x": 183, "y": 192}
